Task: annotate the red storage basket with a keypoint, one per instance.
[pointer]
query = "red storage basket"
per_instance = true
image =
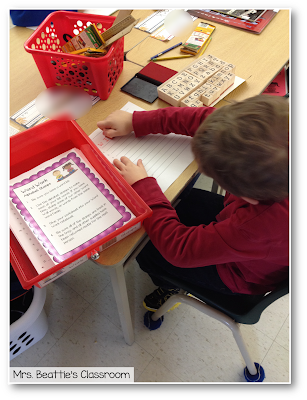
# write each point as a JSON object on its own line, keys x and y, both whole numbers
{"x": 43, "y": 142}
{"x": 97, "y": 76}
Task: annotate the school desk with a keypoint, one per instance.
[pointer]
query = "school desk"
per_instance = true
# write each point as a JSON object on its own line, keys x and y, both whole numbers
{"x": 258, "y": 58}
{"x": 25, "y": 85}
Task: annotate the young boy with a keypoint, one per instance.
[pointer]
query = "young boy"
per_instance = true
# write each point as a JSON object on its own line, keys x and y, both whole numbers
{"x": 238, "y": 244}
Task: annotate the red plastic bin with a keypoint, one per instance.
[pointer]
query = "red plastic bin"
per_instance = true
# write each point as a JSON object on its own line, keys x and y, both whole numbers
{"x": 43, "y": 142}
{"x": 96, "y": 76}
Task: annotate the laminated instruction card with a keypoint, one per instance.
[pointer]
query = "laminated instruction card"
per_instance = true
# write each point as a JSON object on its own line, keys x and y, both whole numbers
{"x": 66, "y": 205}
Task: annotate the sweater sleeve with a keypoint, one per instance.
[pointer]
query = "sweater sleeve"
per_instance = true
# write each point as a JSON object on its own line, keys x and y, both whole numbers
{"x": 191, "y": 246}
{"x": 181, "y": 120}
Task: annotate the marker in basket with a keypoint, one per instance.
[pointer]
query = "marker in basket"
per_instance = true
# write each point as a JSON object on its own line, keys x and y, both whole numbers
{"x": 165, "y": 51}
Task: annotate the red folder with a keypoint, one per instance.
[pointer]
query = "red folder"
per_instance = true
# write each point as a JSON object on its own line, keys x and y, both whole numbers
{"x": 278, "y": 87}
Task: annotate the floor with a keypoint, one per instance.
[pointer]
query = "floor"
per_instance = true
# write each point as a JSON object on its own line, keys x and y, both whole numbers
{"x": 84, "y": 331}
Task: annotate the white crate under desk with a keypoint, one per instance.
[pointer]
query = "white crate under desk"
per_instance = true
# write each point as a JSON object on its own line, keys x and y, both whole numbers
{"x": 31, "y": 327}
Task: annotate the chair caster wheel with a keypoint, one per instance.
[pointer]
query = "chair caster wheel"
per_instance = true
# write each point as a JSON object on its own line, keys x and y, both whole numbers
{"x": 149, "y": 323}
{"x": 259, "y": 377}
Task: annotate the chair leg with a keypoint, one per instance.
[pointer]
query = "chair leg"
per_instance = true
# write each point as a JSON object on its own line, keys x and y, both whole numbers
{"x": 168, "y": 305}
{"x": 213, "y": 313}
{"x": 235, "y": 328}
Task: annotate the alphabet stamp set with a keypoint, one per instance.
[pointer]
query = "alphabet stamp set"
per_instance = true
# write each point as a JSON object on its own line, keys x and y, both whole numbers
{"x": 199, "y": 84}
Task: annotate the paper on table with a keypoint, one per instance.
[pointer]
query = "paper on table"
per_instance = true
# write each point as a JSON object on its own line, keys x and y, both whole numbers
{"x": 12, "y": 130}
{"x": 28, "y": 116}
{"x": 153, "y": 22}
{"x": 162, "y": 34}
{"x": 165, "y": 157}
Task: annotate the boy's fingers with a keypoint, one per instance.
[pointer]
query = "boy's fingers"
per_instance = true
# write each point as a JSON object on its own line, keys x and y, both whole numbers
{"x": 140, "y": 163}
{"x": 125, "y": 160}
{"x": 106, "y": 128}
{"x": 110, "y": 133}
{"x": 118, "y": 164}
{"x": 102, "y": 124}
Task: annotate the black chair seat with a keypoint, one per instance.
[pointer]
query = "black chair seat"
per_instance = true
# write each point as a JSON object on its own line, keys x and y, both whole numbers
{"x": 245, "y": 309}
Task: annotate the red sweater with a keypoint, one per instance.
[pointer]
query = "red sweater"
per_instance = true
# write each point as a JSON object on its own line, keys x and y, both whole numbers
{"x": 249, "y": 244}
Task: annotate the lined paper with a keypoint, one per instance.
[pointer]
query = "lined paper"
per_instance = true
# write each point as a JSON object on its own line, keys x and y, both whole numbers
{"x": 164, "y": 157}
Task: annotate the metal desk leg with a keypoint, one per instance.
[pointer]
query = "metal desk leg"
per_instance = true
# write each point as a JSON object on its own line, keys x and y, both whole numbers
{"x": 121, "y": 297}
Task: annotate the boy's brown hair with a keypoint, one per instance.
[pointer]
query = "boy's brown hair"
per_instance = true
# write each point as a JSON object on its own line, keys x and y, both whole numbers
{"x": 244, "y": 147}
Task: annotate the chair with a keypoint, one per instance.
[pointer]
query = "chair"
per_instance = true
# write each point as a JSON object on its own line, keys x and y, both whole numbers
{"x": 231, "y": 310}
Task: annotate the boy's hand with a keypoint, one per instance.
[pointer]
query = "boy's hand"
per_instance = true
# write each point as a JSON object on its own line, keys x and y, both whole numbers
{"x": 131, "y": 172}
{"x": 118, "y": 123}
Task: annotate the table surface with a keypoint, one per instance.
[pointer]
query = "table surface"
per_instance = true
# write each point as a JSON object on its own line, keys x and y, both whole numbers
{"x": 258, "y": 59}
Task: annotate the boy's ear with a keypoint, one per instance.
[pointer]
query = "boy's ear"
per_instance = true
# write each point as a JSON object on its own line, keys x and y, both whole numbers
{"x": 251, "y": 201}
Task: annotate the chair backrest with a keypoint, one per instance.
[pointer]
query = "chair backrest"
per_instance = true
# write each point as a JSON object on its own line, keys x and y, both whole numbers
{"x": 254, "y": 314}
{"x": 245, "y": 309}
